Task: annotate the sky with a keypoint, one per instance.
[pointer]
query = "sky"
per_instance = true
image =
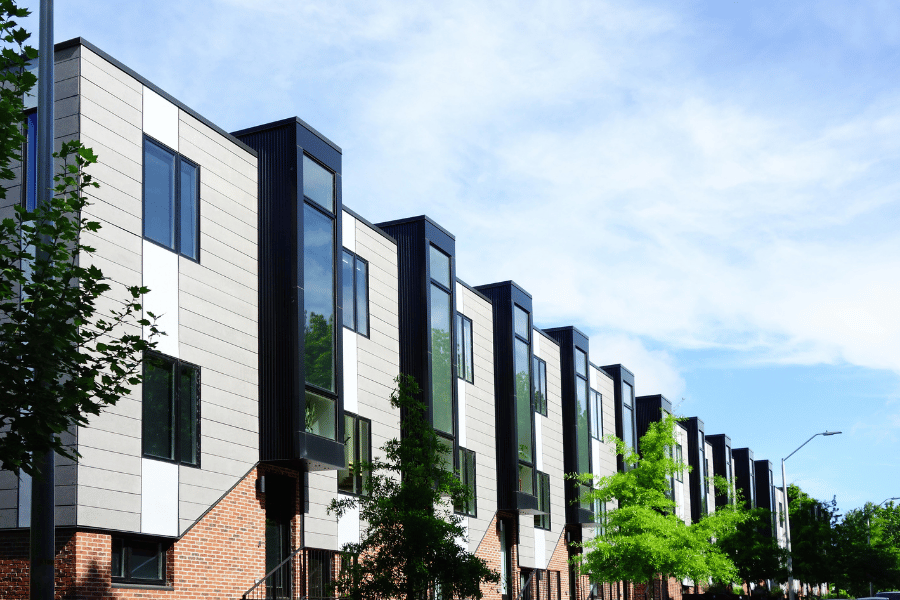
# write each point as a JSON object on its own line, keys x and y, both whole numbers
{"x": 708, "y": 190}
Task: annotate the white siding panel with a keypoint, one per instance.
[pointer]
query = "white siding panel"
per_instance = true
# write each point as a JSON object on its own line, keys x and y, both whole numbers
{"x": 159, "y": 497}
{"x": 161, "y": 276}
{"x": 160, "y": 119}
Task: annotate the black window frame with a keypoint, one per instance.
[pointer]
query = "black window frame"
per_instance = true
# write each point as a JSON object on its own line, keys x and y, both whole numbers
{"x": 359, "y": 480}
{"x": 542, "y": 485}
{"x": 539, "y": 383}
{"x": 596, "y": 417}
{"x": 679, "y": 458}
{"x": 467, "y": 458}
{"x": 126, "y": 544}
{"x": 178, "y": 365}
{"x": 331, "y": 213}
{"x": 176, "y": 208}
{"x": 465, "y": 350}
{"x": 354, "y": 307}
{"x": 531, "y": 464}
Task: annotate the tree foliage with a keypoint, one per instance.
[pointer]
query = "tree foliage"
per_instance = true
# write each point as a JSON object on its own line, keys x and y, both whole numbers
{"x": 60, "y": 361}
{"x": 812, "y": 536}
{"x": 754, "y": 550}
{"x": 410, "y": 546}
{"x": 866, "y": 550}
{"x": 643, "y": 537}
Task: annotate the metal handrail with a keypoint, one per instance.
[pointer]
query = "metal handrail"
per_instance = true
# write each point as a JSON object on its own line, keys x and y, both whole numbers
{"x": 525, "y": 587}
{"x": 270, "y": 573}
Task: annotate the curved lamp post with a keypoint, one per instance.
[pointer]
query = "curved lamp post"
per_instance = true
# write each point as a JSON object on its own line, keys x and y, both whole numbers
{"x": 787, "y": 513}
{"x": 869, "y": 530}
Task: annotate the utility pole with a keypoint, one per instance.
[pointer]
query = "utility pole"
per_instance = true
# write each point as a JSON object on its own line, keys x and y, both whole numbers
{"x": 43, "y": 505}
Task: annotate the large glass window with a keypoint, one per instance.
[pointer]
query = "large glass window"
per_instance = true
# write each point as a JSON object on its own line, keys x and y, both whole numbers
{"x": 357, "y": 450}
{"x": 441, "y": 370}
{"x": 539, "y": 369}
{"x": 464, "y": 356}
{"x": 466, "y": 474}
{"x": 137, "y": 561}
{"x": 320, "y": 415}
{"x": 543, "y": 496}
{"x": 440, "y": 266}
{"x": 524, "y": 411}
{"x": 596, "y": 414}
{"x": 29, "y": 164}
{"x": 679, "y": 458}
{"x": 628, "y": 414}
{"x": 318, "y": 184}
{"x": 582, "y": 423}
{"x": 318, "y": 297}
{"x": 170, "y": 410}
{"x": 704, "y": 486}
{"x": 171, "y": 200}
{"x": 355, "y": 292}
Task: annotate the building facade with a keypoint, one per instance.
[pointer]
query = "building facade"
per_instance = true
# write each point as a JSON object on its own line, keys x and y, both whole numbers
{"x": 287, "y": 317}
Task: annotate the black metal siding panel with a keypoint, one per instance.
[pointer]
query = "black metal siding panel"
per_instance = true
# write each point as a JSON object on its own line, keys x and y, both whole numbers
{"x": 721, "y": 445}
{"x": 504, "y": 393}
{"x": 277, "y": 285}
{"x": 619, "y": 373}
{"x": 694, "y": 426}
{"x": 763, "y": 484}
{"x": 413, "y": 299}
{"x": 743, "y": 464}
{"x": 649, "y": 409}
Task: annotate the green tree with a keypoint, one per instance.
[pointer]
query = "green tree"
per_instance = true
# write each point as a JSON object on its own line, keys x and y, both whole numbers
{"x": 60, "y": 361}
{"x": 812, "y": 536}
{"x": 865, "y": 550}
{"x": 642, "y": 537}
{"x": 410, "y": 545}
{"x": 754, "y": 550}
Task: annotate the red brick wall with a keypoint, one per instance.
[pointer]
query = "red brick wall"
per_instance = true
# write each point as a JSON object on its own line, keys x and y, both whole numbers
{"x": 220, "y": 557}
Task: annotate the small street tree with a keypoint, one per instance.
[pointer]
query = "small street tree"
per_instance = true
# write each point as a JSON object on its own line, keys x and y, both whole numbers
{"x": 643, "y": 538}
{"x": 60, "y": 360}
{"x": 410, "y": 547}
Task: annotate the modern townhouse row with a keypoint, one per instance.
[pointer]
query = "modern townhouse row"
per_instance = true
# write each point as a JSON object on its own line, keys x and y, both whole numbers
{"x": 287, "y": 317}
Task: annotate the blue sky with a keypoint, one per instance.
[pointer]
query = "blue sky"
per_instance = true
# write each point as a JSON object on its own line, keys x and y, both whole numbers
{"x": 707, "y": 189}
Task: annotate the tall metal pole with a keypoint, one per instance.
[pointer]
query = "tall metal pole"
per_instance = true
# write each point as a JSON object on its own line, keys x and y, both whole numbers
{"x": 787, "y": 514}
{"x": 43, "y": 519}
{"x": 787, "y": 526}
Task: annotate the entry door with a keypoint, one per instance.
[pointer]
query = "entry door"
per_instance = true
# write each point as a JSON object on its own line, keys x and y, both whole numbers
{"x": 279, "y": 511}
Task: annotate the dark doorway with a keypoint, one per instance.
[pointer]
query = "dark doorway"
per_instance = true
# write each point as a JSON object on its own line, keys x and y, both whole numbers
{"x": 280, "y": 505}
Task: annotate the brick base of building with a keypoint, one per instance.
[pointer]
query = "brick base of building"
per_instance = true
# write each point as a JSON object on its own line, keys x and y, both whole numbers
{"x": 221, "y": 556}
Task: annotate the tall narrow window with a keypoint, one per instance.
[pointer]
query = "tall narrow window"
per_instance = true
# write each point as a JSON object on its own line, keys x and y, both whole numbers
{"x": 543, "y": 496}
{"x": 679, "y": 458}
{"x": 582, "y": 422}
{"x": 596, "y": 414}
{"x": 29, "y": 162}
{"x": 441, "y": 348}
{"x": 318, "y": 317}
{"x": 464, "y": 356}
{"x": 704, "y": 487}
{"x": 357, "y": 450}
{"x": 355, "y": 293}
{"x": 170, "y": 415}
{"x": 628, "y": 414}
{"x": 466, "y": 474}
{"x": 171, "y": 200}
{"x": 524, "y": 411}
{"x": 539, "y": 369}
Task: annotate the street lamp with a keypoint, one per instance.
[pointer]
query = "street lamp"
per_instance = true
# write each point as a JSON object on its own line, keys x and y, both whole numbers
{"x": 787, "y": 513}
{"x": 869, "y": 531}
